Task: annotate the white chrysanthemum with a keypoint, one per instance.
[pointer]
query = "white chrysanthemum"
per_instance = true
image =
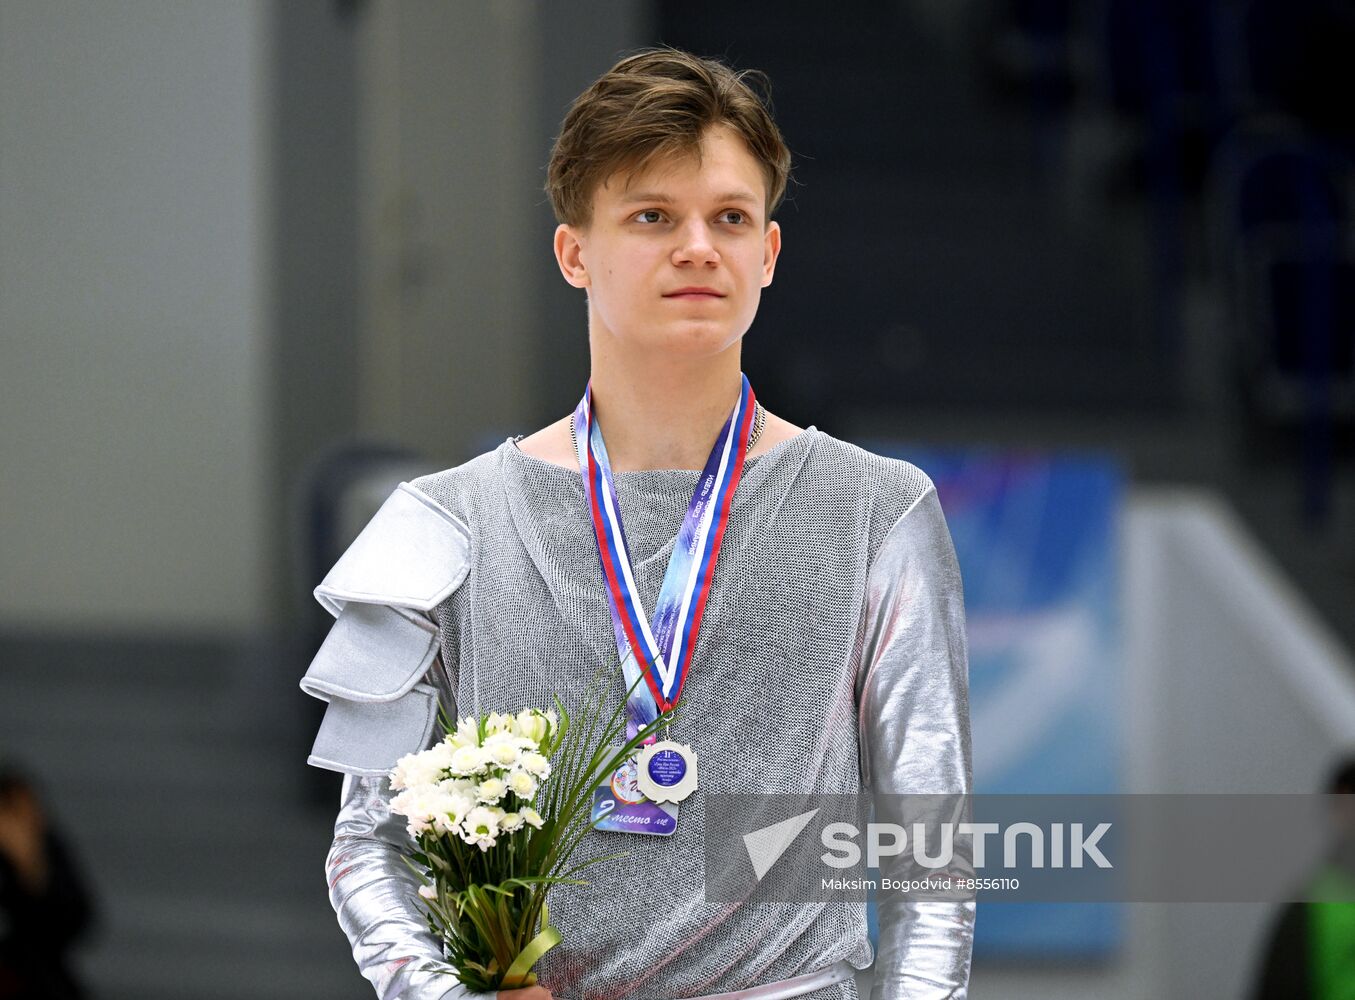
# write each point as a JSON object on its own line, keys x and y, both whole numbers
{"x": 468, "y": 760}
{"x": 465, "y": 799}
{"x": 510, "y": 822}
{"x": 536, "y": 764}
{"x": 420, "y": 805}
{"x": 440, "y": 755}
{"x": 481, "y": 828}
{"x": 532, "y": 817}
{"x": 415, "y": 769}
{"x": 417, "y": 828}
{"x": 458, "y": 786}
{"x": 444, "y": 824}
{"x": 503, "y": 752}
{"x": 411, "y": 802}
{"x": 522, "y": 784}
{"x": 449, "y": 810}
{"x": 499, "y": 722}
{"x": 491, "y": 790}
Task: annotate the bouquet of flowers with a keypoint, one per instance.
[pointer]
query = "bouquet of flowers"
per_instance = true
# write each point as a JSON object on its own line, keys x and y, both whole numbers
{"x": 496, "y": 810}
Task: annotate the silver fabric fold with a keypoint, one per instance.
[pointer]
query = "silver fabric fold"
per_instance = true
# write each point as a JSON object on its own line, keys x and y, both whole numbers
{"x": 367, "y": 737}
{"x": 412, "y": 554}
{"x": 914, "y": 720}
{"x": 372, "y": 653}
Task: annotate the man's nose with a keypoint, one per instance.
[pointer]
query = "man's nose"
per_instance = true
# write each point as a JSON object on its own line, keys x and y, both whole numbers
{"x": 695, "y": 245}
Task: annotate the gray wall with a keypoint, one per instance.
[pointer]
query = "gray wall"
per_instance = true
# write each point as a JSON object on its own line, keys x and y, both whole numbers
{"x": 181, "y": 275}
{"x": 133, "y": 304}
{"x": 313, "y": 372}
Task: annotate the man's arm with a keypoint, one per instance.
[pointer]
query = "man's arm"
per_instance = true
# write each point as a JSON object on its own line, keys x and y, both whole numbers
{"x": 381, "y": 672}
{"x": 914, "y": 729}
{"x": 374, "y": 894}
{"x": 373, "y": 891}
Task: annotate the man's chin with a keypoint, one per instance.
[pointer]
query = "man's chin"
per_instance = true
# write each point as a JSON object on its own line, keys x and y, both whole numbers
{"x": 679, "y": 341}
{"x": 695, "y": 340}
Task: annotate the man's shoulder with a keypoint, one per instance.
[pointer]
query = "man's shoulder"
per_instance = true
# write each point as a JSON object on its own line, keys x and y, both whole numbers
{"x": 458, "y": 489}
{"x": 889, "y": 487}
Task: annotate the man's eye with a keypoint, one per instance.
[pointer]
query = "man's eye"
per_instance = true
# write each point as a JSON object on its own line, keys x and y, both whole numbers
{"x": 649, "y": 211}
{"x": 739, "y": 219}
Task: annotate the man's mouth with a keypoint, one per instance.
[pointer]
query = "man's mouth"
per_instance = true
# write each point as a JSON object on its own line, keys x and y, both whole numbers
{"x": 694, "y": 293}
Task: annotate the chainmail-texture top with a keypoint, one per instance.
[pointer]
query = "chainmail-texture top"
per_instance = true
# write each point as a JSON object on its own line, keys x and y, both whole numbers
{"x": 834, "y": 624}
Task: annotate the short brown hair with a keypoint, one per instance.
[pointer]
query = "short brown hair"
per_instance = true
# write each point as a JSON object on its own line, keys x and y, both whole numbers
{"x": 658, "y": 103}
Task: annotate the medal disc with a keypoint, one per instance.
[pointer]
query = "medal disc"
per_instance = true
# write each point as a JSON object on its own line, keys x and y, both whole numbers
{"x": 667, "y": 771}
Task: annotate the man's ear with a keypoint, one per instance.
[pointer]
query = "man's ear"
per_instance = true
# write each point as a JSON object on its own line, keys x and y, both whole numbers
{"x": 771, "y": 249}
{"x": 568, "y": 254}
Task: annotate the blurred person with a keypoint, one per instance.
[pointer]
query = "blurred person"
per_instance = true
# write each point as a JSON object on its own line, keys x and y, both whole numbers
{"x": 44, "y": 906}
{"x": 832, "y": 654}
{"x": 1310, "y": 953}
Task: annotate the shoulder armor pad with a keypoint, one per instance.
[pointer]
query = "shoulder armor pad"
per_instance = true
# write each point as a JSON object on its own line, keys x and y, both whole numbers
{"x": 412, "y": 554}
{"x": 366, "y": 739}
{"x": 408, "y": 559}
{"x": 373, "y": 653}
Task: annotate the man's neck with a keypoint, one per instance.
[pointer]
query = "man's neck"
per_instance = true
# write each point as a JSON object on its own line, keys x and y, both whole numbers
{"x": 659, "y": 414}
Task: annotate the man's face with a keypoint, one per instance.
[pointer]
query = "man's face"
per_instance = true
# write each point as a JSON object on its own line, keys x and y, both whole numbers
{"x": 676, "y": 226}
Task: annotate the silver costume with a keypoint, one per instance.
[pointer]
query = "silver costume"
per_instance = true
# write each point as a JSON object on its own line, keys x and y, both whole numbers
{"x": 835, "y": 622}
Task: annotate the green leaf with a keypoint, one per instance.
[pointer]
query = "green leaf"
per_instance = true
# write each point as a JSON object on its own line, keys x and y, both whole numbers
{"x": 529, "y": 956}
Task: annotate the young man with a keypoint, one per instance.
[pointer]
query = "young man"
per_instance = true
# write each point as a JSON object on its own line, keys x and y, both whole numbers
{"x": 826, "y": 654}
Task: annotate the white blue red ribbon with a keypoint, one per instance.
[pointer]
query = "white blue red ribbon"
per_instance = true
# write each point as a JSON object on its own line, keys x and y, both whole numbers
{"x": 663, "y": 654}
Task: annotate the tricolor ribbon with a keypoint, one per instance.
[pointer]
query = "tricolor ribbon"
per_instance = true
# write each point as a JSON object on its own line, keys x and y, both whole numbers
{"x": 662, "y": 654}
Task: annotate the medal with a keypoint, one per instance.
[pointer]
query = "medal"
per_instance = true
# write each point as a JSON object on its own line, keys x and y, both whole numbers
{"x": 665, "y": 772}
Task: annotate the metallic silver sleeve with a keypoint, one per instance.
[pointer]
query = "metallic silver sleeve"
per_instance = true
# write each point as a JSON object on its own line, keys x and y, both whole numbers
{"x": 373, "y": 893}
{"x": 914, "y": 724}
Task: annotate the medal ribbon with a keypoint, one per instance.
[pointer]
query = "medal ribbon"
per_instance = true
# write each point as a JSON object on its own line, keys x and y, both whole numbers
{"x": 662, "y": 654}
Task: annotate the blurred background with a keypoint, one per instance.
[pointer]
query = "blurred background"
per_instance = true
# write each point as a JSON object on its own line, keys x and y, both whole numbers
{"x": 1087, "y": 262}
